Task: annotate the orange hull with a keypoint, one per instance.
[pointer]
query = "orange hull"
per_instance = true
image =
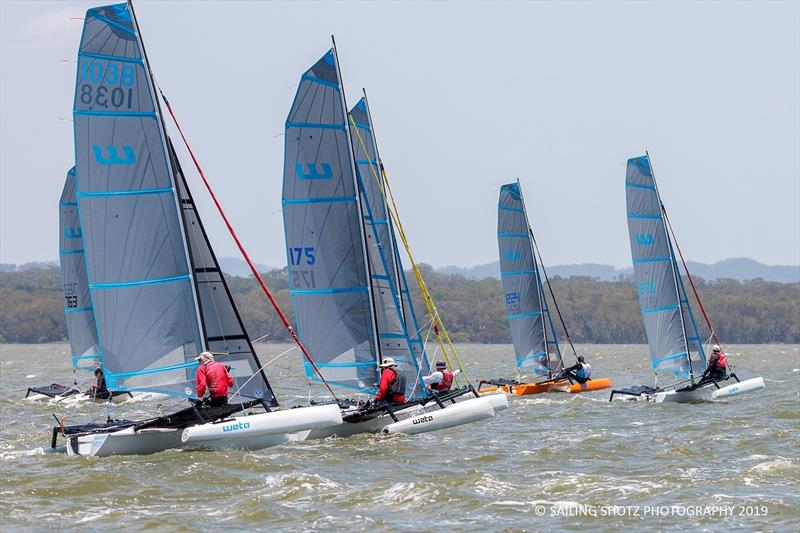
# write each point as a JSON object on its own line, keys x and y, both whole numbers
{"x": 592, "y": 384}
{"x": 526, "y": 389}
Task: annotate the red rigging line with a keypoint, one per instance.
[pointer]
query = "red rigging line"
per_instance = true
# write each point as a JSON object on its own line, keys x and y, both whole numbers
{"x": 246, "y": 257}
{"x": 689, "y": 277}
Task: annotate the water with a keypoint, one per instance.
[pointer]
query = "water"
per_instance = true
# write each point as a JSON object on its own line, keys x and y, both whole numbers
{"x": 570, "y": 457}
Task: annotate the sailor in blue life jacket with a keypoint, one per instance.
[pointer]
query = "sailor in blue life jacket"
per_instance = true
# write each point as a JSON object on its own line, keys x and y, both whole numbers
{"x": 441, "y": 380}
{"x": 580, "y": 372}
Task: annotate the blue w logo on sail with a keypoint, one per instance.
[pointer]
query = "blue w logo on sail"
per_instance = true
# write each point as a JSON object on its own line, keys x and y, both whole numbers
{"x": 327, "y": 172}
{"x": 644, "y": 239}
{"x": 113, "y": 156}
{"x": 646, "y": 288}
{"x": 511, "y": 255}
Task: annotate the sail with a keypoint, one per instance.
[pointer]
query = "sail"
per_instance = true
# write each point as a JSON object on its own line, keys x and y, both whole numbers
{"x": 392, "y": 333}
{"x": 522, "y": 286}
{"x": 655, "y": 271}
{"x": 136, "y": 257}
{"x": 222, "y": 324}
{"x": 78, "y": 311}
{"x": 328, "y": 279}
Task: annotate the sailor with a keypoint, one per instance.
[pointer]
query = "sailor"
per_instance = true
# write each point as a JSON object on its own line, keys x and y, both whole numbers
{"x": 392, "y": 385}
{"x": 99, "y": 389}
{"x": 717, "y": 368}
{"x": 441, "y": 380}
{"x": 215, "y": 377}
{"x": 580, "y": 372}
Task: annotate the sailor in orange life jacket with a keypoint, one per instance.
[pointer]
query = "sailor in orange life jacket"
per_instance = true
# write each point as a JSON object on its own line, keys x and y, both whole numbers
{"x": 392, "y": 385}
{"x": 441, "y": 380}
{"x": 717, "y": 368}
{"x": 215, "y": 377}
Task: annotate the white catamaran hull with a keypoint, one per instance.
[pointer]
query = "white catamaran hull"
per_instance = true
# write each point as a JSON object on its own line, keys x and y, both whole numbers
{"x": 703, "y": 394}
{"x": 245, "y": 432}
{"x": 463, "y": 415}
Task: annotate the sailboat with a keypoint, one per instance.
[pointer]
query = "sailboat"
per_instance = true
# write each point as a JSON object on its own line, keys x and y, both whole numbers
{"x": 533, "y": 333}
{"x": 158, "y": 294}
{"x": 673, "y": 336}
{"x": 78, "y": 312}
{"x": 351, "y": 302}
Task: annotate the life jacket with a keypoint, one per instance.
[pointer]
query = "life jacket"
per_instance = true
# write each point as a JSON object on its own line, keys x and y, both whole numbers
{"x": 446, "y": 383}
{"x": 398, "y": 384}
{"x": 585, "y": 371}
{"x": 721, "y": 362}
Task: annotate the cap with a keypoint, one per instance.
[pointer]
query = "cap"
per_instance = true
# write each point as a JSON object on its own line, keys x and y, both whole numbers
{"x": 387, "y": 362}
{"x": 441, "y": 364}
{"x": 205, "y": 357}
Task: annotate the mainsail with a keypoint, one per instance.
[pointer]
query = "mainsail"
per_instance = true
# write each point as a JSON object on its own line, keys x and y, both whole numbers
{"x": 78, "y": 311}
{"x": 157, "y": 293}
{"x": 528, "y": 314}
{"x": 328, "y": 273}
{"x": 672, "y": 333}
{"x": 393, "y": 313}
{"x": 224, "y": 330}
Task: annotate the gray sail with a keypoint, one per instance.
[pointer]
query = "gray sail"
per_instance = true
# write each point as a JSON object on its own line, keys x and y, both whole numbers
{"x": 328, "y": 279}
{"x": 522, "y": 287}
{"x": 139, "y": 276}
{"x": 78, "y": 311}
{"x": 392, "y": 333}
{"x": 655, "y": 271}
{"x": 222, "y": 324}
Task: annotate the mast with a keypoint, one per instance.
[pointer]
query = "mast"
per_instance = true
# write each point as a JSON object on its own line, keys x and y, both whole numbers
{"x": 361, "y": 229}
{"x": 178, "y": 207}
{"x": 674, "y": 269}
{"x": 539, "y": 290}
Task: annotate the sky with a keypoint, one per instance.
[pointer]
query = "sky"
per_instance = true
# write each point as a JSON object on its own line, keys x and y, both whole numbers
{"x": 465, "y": 96}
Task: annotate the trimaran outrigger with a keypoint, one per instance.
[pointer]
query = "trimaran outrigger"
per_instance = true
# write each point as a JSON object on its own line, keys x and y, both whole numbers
{"x": 673, "y": 337}
{"x": 349, "y": 292}
{"x": 158, "y": 294}
{"x": 533, "y": 333}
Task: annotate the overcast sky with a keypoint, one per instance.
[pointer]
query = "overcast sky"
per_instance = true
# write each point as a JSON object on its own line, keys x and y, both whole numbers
{"x": 465, "y": 97}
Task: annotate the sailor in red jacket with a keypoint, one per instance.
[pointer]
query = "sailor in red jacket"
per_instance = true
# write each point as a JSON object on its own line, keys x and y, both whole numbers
{"x": 392, "y": 385}
{"x": 441, "y": 380}
{"x": 717, "y": 368}
{"x": 215, "y": 377}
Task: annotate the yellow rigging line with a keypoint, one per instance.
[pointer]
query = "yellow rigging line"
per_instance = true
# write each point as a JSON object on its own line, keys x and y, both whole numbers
{"x": 430, "y": 306}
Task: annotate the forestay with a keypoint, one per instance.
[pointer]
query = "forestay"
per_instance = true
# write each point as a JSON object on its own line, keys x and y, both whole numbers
{"x": 672, "y": 335}
{"x": 383, "y": 265}
{"x": 78, "y": 312}
{"x": 525, "y": 302}
{"x": 327, "y": 272}
{"x": 222, "y": 324}
{"x": 139, "y": 276}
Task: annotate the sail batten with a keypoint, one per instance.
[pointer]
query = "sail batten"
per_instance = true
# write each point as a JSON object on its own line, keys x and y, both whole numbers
{"x": 672, "y": 335}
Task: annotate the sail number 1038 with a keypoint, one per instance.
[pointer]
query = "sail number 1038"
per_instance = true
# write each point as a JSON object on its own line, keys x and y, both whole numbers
{"x": 95, "y": 78}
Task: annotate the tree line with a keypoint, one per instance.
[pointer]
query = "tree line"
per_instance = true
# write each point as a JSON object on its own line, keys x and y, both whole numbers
{"x": 603, "y": 312}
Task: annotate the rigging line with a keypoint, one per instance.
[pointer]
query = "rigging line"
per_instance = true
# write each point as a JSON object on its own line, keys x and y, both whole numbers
{"x": 238, "y": 391}
{"x": 244, "y": 253}
{"x": 430, "y": 306}
{"x": 552, "y": 293}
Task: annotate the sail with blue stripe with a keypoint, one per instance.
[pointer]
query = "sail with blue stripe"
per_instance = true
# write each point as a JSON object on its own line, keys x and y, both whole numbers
{"x": 78, "y": 310}
{"x": 393, "y": 334}
{"x": 668, "y": 320}
{"x": 329, "y": 276}
{"x": 528, "y": 316}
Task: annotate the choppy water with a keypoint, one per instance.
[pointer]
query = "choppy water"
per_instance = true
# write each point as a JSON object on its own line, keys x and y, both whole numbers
{"x": 568, "y": 457}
